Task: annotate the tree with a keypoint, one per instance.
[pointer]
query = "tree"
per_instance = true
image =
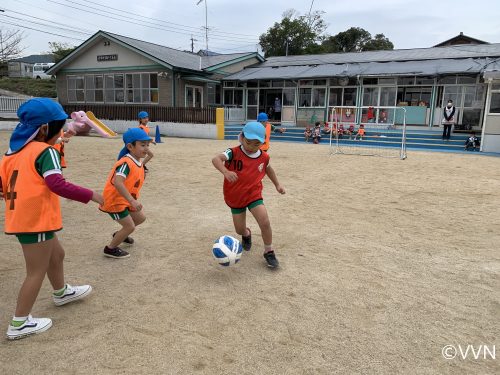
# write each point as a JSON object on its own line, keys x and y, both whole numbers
{"x": 294, "y": 35}
{"x": 10, "y": 44}
{"x": 60, "y": 50}
{"x": 356, "y": 39}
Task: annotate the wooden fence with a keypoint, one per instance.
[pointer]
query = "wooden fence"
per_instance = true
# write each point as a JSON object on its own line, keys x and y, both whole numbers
{"x": 156, "y": 113}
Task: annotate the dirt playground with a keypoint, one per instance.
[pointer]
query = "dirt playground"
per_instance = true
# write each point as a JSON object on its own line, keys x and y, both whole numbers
{"x": 383, "y": 263}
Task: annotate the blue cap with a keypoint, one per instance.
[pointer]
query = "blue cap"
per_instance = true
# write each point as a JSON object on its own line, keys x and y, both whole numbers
{"x": 130, "y": 136}
{"x": 254, "y": 131}
{"x": 142, "y": 114}
{"x": 262, "y": 117}
{"x": 33, "y": 114}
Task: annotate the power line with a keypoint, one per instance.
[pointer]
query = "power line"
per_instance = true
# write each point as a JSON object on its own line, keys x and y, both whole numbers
{"x": 43, "y": 31}
{"x": 152, "y": 26}
{"x": 45, "y": 25}
{"x": 163, "y": 21}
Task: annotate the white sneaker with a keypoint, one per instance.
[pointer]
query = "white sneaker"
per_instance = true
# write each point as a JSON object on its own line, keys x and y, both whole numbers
{"x": 30, "y": 327}
{"x": 72, "y": 293}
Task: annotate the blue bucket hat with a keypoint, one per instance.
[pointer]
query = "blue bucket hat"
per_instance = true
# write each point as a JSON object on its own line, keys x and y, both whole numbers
{"x": 142, "y": 114}
{"x": 32, "y": 115}
{"x": 262, "y": 117}
{"x": 254, "y": 131}
{"x": 130, "y": 136}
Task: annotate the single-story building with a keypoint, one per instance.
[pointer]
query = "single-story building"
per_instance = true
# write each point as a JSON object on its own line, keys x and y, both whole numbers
{"x": 23, "y": 66}
{"x": 368, "y": 85}
{"x": 114, "y": 70}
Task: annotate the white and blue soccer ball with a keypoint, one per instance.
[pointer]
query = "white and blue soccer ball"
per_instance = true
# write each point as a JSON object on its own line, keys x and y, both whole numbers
{"x": 227, "y": 250}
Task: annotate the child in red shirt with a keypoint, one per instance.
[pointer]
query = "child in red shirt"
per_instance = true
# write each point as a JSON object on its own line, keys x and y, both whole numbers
{"x": 243, "y": 168}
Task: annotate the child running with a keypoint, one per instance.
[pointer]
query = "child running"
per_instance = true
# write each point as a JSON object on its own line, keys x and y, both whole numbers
{"x": 121, "y": 192}
{"x": 243, "y": 168}
{"x": 143, "y": 124}
{"x": 31, "y": 182}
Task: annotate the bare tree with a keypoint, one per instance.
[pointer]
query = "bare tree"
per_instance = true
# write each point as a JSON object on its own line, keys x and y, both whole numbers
{"x": 10, "y": 44}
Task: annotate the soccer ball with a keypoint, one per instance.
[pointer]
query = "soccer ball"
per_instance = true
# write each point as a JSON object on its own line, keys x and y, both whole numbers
{"x": 227, "y": 250}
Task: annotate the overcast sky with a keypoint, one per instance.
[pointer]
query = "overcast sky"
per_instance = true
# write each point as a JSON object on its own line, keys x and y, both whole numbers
{"x": 235, "y": 25}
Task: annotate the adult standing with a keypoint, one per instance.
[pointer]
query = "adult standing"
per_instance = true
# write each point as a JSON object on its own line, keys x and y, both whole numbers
{"x": 448, "y": 119}
{"x": 277, "y": 109}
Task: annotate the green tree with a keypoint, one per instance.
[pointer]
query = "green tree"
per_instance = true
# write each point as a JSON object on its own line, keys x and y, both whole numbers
{"x": 356, "y": 39}
{"x": 60, "y": 50}
{"x": 294, "y": 35}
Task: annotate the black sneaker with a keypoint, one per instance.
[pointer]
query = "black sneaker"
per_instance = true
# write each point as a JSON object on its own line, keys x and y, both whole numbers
{"x": 128, "y": 240}
{"x": 271, "y": 260}
{"x": 115, "y": 253}
{"x": 246, "y": 241}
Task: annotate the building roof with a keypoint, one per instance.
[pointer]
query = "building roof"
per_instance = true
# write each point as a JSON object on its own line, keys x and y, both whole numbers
{"x": 461, "y": 39}
{"x": 33, "y": 59}
{"x": 169, "y": 57}
{"x": 419, "y": 61}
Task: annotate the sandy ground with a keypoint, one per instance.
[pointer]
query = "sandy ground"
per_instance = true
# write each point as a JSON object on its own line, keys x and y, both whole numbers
{"x": 383, "y": 263}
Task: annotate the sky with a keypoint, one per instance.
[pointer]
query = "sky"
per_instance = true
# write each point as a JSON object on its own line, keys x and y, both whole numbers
{"x": 235, "y": 25}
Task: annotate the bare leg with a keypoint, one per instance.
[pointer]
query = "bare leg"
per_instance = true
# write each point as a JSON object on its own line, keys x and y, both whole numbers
{"x": 240, "y": 224}
{"x": 138, "y": 217}
{"x": 37, "y": 257}
{"x": 55, "y": 273}
{"x": 128, "y": 227}
{"x": 260, "y": 214}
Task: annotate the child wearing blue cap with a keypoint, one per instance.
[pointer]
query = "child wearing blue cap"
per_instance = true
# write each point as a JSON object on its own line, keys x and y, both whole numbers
{"x": 31, "y": 182}
{"x": 244, "y": 168}
{"x": 121, "y": 192}
{"x": 143, "y": 117}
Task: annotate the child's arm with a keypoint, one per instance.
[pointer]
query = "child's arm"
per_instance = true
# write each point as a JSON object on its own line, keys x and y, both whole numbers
{"x": 58, "y": 185}
{"x": 272, "y": 176}
{"x": 218, "y": 162}
{"x": 120, "y": 186}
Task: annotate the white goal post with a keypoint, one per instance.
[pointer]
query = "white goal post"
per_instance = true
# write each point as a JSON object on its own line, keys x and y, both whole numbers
{"x": 368, "y": 130}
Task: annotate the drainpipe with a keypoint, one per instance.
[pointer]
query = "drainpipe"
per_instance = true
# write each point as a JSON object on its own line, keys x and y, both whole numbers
{"x": 173, "y": 88}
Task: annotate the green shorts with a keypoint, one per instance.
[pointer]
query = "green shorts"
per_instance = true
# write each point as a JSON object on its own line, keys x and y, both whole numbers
{"x": 119, "y": 215}
{"x": 256, "y": 203}
{"x": 31, "y": 238}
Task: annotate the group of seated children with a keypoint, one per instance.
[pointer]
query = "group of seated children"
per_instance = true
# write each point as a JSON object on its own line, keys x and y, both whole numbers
{"x": 315, "y": 133}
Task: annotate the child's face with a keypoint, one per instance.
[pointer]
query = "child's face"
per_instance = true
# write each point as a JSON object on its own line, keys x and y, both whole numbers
{"x": 144, "y": 120}
{"x": 250, "y": 145}
{"x": 139, "y": 150}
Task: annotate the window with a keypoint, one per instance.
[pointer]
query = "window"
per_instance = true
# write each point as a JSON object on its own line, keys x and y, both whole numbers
{"x": 305, "y": 97}
{"x": 495, "y": 102}
{"x": 214, "y": 97}
{"x": 342, "y": 97}
{"x": 288, "y": 97}
{"x": 94, "y": 89}
{"x": 76, "y": 86}
{"x": 370, "y": 96}
{"x": 318, "y": 97}
{"x": 312, "y": 97}
{"x": 233, "y": 98}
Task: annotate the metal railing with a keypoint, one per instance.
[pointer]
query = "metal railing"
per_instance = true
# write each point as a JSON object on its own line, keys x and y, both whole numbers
{"x": 10, "y": 104}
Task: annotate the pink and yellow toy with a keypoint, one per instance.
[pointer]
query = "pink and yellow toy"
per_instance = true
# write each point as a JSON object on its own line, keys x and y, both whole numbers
{"x": 84, "y": 122}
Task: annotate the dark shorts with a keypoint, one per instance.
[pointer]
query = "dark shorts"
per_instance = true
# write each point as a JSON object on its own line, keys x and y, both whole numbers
{"x": 31, "y": 238}
{"x": 119, "y": 215}
{"x": 236, "y": 211}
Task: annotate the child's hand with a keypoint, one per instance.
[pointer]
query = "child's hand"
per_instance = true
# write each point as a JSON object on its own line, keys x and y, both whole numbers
{"x": 230, "y": 176}
{"x": 98, "y": 198}
{"x": 136, "y": 205}
{"x": 280, "y": 189}
{"x": 65, "y": 139}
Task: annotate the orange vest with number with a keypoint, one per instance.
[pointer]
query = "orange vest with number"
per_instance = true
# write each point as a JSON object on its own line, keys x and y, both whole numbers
{"x": 145, "y": 128}
{"x": 60, "y": 148}
{"x": 30, "y": 206}
{"x": 114, "y": 202}
{"x": 266, "y": 144}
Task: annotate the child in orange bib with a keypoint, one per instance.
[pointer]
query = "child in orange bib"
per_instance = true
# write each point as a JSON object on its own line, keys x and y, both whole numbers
{"x": 143, "y": 124}
{"x": 121, "y": 192}
{"x": 243, "y": 168}
{"x": 31, "y": 182}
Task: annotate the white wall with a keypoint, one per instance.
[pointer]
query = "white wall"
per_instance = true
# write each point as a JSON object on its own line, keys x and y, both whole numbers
{"x": 170, "y": 129}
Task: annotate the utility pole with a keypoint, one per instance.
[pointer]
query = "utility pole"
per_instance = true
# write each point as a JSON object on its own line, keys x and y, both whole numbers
{"x": 206, "y": 23}
{"x": 286, "y": 44}
{"x": 192, "y": 43}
